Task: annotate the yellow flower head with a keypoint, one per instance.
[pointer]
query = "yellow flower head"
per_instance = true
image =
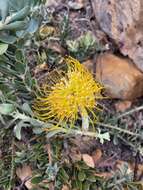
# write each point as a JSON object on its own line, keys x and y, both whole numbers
{"x": 72, "y": 94}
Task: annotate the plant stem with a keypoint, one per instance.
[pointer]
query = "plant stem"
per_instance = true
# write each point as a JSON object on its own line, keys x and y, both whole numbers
{"x": 72, "y": 131}
{"x": 12, "y": 166}
{"x": 85, "y": 123}
{"x": 130, "y": 112}
{"x": 119, "y": 129}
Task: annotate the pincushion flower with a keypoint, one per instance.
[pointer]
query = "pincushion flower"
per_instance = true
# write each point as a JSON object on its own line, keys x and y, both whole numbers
{"x": 73, "y": 94}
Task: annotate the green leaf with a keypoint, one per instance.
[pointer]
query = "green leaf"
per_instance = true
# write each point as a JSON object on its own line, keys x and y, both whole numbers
{"x": 79, "y": 185}
{"x": 19, "y": 57}
{"x": 6, "y": 109}
{"x": 92, "y": 178}
{"x": 83, "y": 166}
{"x": 81, "y": 176}
{"x": 86, "y": 185}
{"x": 3, "y": 48}
{"x": 37, "y": 179}
{"x": 64, "y": 175}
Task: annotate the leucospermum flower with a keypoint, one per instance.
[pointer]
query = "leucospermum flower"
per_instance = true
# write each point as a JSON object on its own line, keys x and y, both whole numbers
{"x": 73, "y": 94}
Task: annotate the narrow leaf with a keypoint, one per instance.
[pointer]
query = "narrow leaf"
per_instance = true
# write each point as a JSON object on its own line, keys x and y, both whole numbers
{"x": 6, "y": 109}
{"x": 3, "y": 48}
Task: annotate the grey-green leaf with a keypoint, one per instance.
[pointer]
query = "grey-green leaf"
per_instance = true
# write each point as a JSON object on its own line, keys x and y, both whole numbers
{"x": 81, "y": 176}
{"x": 53, "y": 133}
{"x": 33, "y": 25}
{"x": 20, "y": 14}
{"x": 4, "y": 5}
{"x": 3, "y": 48}
{"x": 17, "y": 25}
{"x": 18, "y": 127}
{"x": 9, "y": 39}
{"x": 26, "y": 108}
{"x": 17, "y": 131}
{"x": 6, "y": 109}
{"x": 36, "y": 179}
{"x": 17, "y": 5}
{"x": 37, "y": 130}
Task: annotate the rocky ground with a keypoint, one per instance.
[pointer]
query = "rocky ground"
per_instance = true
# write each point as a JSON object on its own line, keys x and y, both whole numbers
{"x": 106, "y": 37}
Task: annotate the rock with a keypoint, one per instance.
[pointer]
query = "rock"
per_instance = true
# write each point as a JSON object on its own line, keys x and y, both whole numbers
{"x": 122, "y": 106}
{"x": 90, "y": 65}
{"x": 120, "y": 77}
{"x": 123, "y": 22}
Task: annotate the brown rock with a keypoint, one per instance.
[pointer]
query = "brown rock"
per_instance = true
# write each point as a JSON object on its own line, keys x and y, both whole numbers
{"x": 123, "y": 22}
{"x": 122, "y": 106}
{"x": 119, "y": 76}
{"x": 90, "y": 65}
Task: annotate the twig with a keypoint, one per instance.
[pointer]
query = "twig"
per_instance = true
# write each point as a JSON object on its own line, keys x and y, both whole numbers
{"x": 51, "y": 184}
{"x": 108, "y": 162}
{"x": 48, "y": 146}
{"x": 12, "y": 165}
{"x": 92, "y": 134}
{"x": 136, "y": 166}
{"x": 129, "y": 112}
{"x": 73, "y": 131}
{"x": 119, "y": 129}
